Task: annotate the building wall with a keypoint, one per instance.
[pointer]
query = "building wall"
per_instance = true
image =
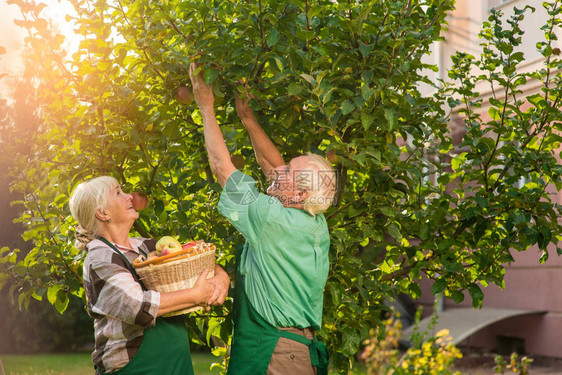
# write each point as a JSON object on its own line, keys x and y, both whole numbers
{"x": 528, "y": 284}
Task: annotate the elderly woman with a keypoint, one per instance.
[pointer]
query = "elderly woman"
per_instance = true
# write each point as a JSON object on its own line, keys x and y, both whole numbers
{"x": 131, "y": 336}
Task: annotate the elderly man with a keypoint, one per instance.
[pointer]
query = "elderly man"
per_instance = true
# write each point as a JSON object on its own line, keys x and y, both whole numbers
{"x": 283, "y": 266}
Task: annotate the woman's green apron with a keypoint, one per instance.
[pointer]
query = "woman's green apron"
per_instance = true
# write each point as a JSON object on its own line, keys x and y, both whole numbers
{"x": 254, "y": 339}
{"x": 165, "y": 346}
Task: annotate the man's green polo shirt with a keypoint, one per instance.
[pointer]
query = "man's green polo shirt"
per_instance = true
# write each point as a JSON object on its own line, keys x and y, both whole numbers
{"x": 285, "y": 262}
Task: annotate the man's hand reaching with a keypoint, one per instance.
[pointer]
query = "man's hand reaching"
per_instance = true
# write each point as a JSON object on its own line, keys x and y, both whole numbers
{"x": 202, "y": 92}
{"x": 243, "y": 110}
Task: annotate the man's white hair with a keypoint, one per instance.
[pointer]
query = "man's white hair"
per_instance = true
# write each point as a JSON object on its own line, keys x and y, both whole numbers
{"x": 319, "y": 178}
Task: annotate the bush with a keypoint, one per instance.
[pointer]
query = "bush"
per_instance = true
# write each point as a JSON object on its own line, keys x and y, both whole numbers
{"x": 433, "y": 355}
{"x": 517, "y": 365}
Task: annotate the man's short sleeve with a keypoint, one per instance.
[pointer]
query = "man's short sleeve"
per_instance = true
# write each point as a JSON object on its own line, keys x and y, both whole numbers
{"x": 243, "y": 205}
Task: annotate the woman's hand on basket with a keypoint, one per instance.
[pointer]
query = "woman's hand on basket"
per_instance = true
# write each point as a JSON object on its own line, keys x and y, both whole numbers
{"x": 189, "y": 297}
{"x": 221, "y": 281}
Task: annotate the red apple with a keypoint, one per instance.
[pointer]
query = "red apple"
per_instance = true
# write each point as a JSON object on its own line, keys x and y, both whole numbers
{"x": 140, "y": 201}
{"x": 184, "y": 95}
{"x": 332, "y": 156}
{"x": 167, "y": 245}
{"x": 188, "y": 245}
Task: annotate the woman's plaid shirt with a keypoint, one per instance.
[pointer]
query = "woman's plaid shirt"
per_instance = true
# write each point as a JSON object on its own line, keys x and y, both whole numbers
{"x": 120, "y": 308}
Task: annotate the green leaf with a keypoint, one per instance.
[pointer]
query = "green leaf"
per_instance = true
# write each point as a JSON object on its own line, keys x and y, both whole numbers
{"x": 367, "y": 120}
{"x": 52, "y": 293}
{"x": 214, "y": 326}
{"x": 308, "y": 79}
{"x": 476, "y": 294}
{"x": 294, "y": 89}
{"x": 458, "y": 161}
{"x": 394, "y": 231}
{"x": 351, "y": 339}
{"x": 62, "y": 301}
{"x": 544, "y": 238}
{"x": 388, "y": 211}
{"x": 366, "y": 92}
{"x": 23, "y": 301}
{"x": 438, "y": 286}
{"x": 457, "y": 296}
{"x": 182, "y": 217}
{"x": 347, "y": 107}
{"x": 544, "y": 257}
{"x": 494, "y": 114}
{"x": 337, "y": 292}
{"x": 391, "y": 118}
{"x": 424, "y": 231}
{"x": 365, "y": 49}
{"x": 210, "y": 75}
{"x": 158, "y": 207}
{"x": 278, "y": 63}
{"x": 273, "y": 37}
{"x": 414, "y": 290}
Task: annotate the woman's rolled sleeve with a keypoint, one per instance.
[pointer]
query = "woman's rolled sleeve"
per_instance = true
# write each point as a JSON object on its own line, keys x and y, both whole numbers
{"x": 114, "y": 292}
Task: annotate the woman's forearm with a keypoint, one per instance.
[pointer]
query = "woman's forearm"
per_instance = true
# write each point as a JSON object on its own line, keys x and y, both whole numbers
{"x": 182, "y": 299}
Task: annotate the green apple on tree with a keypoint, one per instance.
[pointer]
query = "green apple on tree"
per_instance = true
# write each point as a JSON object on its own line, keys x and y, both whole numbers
{"x": 167, "y": 245}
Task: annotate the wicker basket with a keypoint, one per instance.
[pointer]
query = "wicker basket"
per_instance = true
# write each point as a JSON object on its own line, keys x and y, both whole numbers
{"x": 180, "y": 270}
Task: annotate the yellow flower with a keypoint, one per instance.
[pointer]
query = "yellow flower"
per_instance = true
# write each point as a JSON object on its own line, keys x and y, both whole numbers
{"x": 444, "y": 332}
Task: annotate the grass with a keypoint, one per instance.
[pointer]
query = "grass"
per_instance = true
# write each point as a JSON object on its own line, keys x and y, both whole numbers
{"x": 78, "y": 364}
{"x": 81, "y": 364}
{"x": 48, "y": 364}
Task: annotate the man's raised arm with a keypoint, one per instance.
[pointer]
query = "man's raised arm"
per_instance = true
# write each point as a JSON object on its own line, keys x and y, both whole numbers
{"x": 219, "y": 157}
{"x": 267, "y": 154}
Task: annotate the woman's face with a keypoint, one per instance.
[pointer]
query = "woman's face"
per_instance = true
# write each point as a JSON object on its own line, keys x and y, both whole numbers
{"x": 120, "y": 206}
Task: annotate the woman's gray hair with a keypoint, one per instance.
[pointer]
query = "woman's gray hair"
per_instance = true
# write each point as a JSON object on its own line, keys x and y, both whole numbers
{"x": 86, "y": 198}
{"x": 320, "y": 180}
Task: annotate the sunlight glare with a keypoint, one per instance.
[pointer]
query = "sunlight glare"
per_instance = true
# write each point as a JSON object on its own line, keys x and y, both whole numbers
{"x": 12, "y": 37}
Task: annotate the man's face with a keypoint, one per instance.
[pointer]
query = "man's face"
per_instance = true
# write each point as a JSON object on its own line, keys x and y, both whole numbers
{"x": 283, "y": 186}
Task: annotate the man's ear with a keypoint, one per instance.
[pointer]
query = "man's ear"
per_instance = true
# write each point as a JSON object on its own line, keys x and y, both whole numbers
{"x": 303, "y": 195}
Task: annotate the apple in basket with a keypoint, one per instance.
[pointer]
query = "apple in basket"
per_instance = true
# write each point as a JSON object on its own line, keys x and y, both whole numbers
{"x": 189, "y": 245}
{"x": 167, "y": 245}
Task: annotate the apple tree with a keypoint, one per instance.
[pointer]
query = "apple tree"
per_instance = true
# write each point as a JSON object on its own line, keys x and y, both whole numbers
{"x": 340, "y": 78}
